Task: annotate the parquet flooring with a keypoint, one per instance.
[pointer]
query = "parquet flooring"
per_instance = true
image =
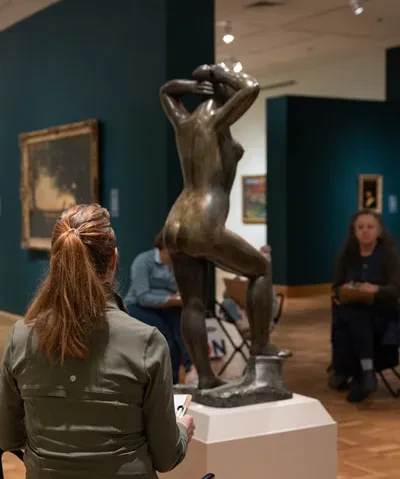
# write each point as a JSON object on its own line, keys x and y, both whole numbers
{"x": 368, "y": 433}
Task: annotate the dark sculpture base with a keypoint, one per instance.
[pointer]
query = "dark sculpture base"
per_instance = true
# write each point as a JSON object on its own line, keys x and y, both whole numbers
{"x": 190, "y": 388}
{"x": 262, "y": 383}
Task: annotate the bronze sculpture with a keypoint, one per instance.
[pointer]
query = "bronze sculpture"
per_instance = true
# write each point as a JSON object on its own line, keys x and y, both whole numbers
{"x": 195, "y": 231}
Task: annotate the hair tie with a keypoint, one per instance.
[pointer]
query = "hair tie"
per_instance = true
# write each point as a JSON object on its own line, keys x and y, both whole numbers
{"x": 74, "y": 230}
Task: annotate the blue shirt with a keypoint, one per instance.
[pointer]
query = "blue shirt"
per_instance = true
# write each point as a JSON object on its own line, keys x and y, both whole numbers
{"x": 152, "y": 281}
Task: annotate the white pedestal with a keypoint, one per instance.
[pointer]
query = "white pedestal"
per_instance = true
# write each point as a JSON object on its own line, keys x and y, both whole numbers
{"x": 293, "y": 439}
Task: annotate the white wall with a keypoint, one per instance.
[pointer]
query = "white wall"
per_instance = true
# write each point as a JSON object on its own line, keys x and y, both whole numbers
{"x": 356, "y": 78}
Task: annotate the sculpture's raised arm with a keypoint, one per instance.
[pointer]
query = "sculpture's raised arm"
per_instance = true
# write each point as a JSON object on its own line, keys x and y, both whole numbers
{"x": 171, "y": 92}
{"x": 246, "y": 91}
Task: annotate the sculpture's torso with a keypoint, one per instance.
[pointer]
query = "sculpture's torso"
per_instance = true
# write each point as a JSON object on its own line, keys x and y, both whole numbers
{"x": 208, "y": 161}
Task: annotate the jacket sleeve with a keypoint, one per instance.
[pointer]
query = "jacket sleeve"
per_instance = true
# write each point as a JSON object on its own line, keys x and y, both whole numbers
{"x": 389, "y": 292}
{"x": 339, "y": 276}
{"x": 140, "y": 282}
{"x": 167, "y": 439}
{"x": 12, "y": 426}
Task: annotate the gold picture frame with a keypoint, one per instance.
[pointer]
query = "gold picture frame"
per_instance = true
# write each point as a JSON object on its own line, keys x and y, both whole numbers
{"x": 254, "y": 199}
{"x": 59, "y": 168}
{"x": 370, "y": 192}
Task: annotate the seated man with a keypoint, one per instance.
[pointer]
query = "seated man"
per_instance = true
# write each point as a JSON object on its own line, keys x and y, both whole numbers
{"x": 153, "y": 299}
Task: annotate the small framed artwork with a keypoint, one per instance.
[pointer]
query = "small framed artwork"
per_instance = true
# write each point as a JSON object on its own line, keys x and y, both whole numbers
{"x": 370, "y": 192}
{"x": 254, "y": 192}
{"x": 59, "y": 169}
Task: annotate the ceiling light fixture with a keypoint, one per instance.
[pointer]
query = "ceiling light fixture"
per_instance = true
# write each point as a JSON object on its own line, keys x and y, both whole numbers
{"x": 356, "y": 6}
{"x": 228, "y": 36}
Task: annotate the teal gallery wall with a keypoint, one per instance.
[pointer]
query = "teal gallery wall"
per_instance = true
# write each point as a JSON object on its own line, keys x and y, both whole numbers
{"x": 83, "y": 59}
{"x": 393, "y": 74}
{"x": 316, "y": 149}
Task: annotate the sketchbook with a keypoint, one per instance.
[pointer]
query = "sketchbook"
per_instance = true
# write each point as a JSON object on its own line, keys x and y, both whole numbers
{"x": 181, "y": 403}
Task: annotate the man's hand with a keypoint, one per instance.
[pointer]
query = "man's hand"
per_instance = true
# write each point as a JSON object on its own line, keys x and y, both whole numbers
{"x": 369, "y": 288}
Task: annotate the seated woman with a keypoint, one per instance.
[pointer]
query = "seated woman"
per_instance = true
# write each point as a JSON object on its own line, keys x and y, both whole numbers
{"x": 153, "y": 299}
{"x": 365, "y": 305}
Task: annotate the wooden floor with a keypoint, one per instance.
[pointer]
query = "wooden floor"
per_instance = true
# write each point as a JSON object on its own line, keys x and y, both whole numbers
{"x": 369, "y": 433}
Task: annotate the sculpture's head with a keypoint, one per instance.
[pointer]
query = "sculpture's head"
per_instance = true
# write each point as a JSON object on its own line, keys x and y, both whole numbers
{"x": 222, "y": 93}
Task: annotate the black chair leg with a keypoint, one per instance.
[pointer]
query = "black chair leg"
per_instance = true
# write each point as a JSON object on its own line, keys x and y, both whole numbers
{"x": 236, "y": 349}
{"x": 393, "y": 392}
{"x": 396, "y": 373}
{"x": 227, "y": 363}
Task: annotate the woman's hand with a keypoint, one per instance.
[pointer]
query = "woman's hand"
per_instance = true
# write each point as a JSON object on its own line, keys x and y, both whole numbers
{"x": 369, "y": 288}
{"x": 174, "y": 301}
{"x": 188, "y": 422}
{"x": 348, "y": 285}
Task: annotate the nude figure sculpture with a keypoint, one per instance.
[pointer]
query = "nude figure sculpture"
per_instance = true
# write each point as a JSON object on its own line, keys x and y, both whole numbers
{"x": 195, "y": 232}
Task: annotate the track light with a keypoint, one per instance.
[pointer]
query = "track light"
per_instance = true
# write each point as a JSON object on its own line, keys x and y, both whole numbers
{"x": 228, "y": 36}
{"x": 356, "y": 6}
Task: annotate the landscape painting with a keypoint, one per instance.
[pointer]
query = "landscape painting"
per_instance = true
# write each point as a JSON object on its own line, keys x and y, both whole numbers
{"x": 254, "y": 192}
{"x": 59, "y": 168}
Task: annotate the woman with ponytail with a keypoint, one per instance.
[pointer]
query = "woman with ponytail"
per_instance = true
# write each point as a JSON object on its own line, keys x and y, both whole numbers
{"x": 84, "y": 389}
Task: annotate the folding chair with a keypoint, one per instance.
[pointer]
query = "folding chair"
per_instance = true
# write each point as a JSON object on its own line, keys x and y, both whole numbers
{"x": 245, "y": 343}
{"x": 393, "y": 392}
{"x": 386, "y": 357}
{"x": 237, "y": 349}
{"x": 281, "y": 300}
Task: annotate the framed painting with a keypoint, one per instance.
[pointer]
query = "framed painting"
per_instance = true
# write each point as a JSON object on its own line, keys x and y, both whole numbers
{"x": 370, "y": 192}
{"x": 254, "y": 191}
{"x": 59, "y": 168}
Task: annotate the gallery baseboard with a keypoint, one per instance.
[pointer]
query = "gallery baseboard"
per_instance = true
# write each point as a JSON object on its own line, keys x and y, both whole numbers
{"x": 305, "y": 291}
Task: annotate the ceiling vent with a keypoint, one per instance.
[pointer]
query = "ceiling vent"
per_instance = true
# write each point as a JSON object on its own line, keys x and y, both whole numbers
{"x": 263, "y": 3}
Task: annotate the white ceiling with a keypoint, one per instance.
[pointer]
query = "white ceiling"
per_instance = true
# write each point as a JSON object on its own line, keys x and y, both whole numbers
{"x": 271, "y": 41}
{"x": 12, "y": 11}
{"x": 302, "y": 34}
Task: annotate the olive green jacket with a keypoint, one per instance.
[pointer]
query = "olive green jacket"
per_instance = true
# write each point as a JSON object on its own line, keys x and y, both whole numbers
{"x": 108, "y": 416}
